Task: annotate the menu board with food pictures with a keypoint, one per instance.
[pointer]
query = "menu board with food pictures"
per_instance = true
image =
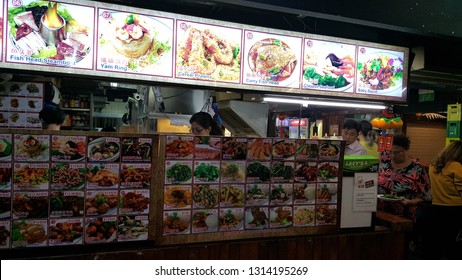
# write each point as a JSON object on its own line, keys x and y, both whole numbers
{"x": 328, "y": 66}
{"x": 179, "y": 147}
{"x": 207, "y": 147}
{"x": 208, "y": 52}
{"x": 20, "y": 104}
{"x": 31, "y": 176}
{"x": 380, "y": 72}
{"x": 132, "y": 228}
{"x": 66, "y": 204}
{"x": 103, "y": 149}
{"x": 29, "y": 233}
{"x": 5, "y": 233}
{"x": 100, "y": 230}
{"x": 31, "y": 147}
{"x": 135, "y": 175}
{"x": 68, "y": 148}
{"x": 103, "y": 175}
{"x": 134, "y": 43}
{"x": 136, "y": 149}
{"x": 271, "y": 60}
{"x": 50, "y": 33}
{"x": 27, "y": 205}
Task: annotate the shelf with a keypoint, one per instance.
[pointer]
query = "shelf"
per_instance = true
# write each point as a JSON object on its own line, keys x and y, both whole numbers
{"x": 76, "y": 109}
{"x": 108, "y": 115}
{"x": 75, "y": 127}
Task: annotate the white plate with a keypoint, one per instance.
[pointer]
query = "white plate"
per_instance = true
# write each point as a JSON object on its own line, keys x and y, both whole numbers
{"x": 101, "y": 141}
{"x": 382, "y": 197}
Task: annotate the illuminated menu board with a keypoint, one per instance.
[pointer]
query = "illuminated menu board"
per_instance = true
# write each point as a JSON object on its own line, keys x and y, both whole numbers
{"x": 50, "y": 33}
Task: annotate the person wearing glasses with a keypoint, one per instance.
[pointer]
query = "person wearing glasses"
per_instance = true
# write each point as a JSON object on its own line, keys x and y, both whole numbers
{"x": 405, "y": 186}
{"x": 202, "y": 124}
{"x": 446, "y": 180}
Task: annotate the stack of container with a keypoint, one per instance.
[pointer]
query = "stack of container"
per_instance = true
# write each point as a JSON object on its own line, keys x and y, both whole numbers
{"x": 453, "y": 132}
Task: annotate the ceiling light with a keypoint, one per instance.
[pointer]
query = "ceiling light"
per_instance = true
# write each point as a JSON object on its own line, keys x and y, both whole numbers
{"x": 306, "y": 102}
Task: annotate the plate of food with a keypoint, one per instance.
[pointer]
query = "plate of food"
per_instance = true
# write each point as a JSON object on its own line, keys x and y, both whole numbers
{"x": 389, "y": 197}
{"x": 272, "y": 59}
{"x": 329, "y": 150}
{"x": 284, "y": 149}
{"x": 101, "y": 149}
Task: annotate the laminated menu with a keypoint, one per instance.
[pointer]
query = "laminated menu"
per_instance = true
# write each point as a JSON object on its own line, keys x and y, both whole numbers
{"x": 281, "y": 194}
{"x": 31, "y": 176}
{"x": 102, "y": 175}
{"x": 205, "y": 196}
{"x": 68, "y": 148}
{"x": 136, "y": 149}
{"x": 176, "y": 222}
{"x": 5, "y": 234}
{"x": 31, "y": 147}
{"x": 135, "y": 175}
{"x": 177, "y": 197}
{"x": 66, "y": 204}
{"x": 207, "y": 147}
{"x": 67, "y": 176}
{"x": 206, "y": 172}
{"x": 306, "y": 171}
{"x": 326, "y": 193}
{"x": 282, "y": 171}
{"x": 29, "y": 205}
{"x": 306, "y": 150}
{"x": 132, "y": 227}
{"x": 234, "y": 148}
{"x": 231, "y": 219}
{"x": 326, "y": 215}
{"x": 258, "y": 172}
{"x": 6, "y": 147}
{"x": 259, "y": 149}
{"x": 232, "y": 195}
{"x": 204, "y": 220}
{"x": 329, "y": 150}
{"x": 256, "y": 217}
{"x": 178, "y": 172}
{"x": 103, "y": 149}
{"x": 257, "y": 194}
{"x": 6, "y": 172}
{"x": 328, "y": 171}
{"x": 304, "y": 215}
{"x": 281, "y": 216}
{"x": 284, "y": 149}
{"x": 101, "y": 203}
{"x": 233, "y": 171}
{"x": 100, "y": 230}
{"x": 66, "y": 232}
{"x": 29, "y": 233}
{"x": 134, "y": 202}
{"x": 179, "y": 147}
{"x": 304, "y": 193}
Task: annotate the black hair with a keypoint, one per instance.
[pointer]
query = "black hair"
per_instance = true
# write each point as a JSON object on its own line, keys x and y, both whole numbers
{"x": 108, "y": 129}
{"x": 49, "y": 91}
{"x": 365, "y": 127}
{"x": 401, "y": 140}
{"x": 52, "y": 116}
{"x": 206, "y": 121}
{"x": 351, "y": 124}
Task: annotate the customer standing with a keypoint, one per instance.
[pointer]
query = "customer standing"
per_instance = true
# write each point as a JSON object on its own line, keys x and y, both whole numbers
{"x": 350, "y": 134}
{"x": 446, "y": 179}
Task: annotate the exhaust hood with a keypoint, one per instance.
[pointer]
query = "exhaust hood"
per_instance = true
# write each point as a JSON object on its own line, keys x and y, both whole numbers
{"x": 244, "y": 118}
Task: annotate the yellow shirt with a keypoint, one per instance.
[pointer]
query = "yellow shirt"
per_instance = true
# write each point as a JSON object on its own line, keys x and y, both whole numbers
{"x": 371, "y": 150}
{"x": 447, "y": 186}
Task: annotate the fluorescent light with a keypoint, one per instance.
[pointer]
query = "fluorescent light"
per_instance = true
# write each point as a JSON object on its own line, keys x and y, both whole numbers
{"x": 306, "y": 102}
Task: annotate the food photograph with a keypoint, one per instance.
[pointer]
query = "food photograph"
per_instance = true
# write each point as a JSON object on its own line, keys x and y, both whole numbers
{"x": 232, "y": 171}
{"x": 231, "y": 219}
{"x": 179, "y": 147}
{"x": 256, "y": 218}
{"x": 136, "y": 43}
{"x": 328, "y": 66}
{"x": 176, "y": 222}
{"x": 67, "y": 204}
{"x": 328, "y": 172}
{"x": 102, "y": 175}
{"x": 101, "y": 203}
{"x": 306, "y": 171}
{"x": 136, "y": 149}
{"x": 282, "y": 171}
{"x": 5, "y": 205}
{"x": 177, "y": 197}
{"x": 103, "y": 149}
{"x": 304, "y": 193}
{"x": 30, "y": 205}
{"x": 205, "y": 221}
{"x": 205, "y": 196}
{"x": 100, "y": 230}
{"x": 272, "y": 60}
{"x": 68, "y": 148}
{"x": 51, "y": 32}
{"x": 206, "y": 172}
{"x": 135, "y": 175}
{"x": 256, "y": 194}
{"x": 232, "y": 195}
{"x": 280, "y": 216}
{"x": 208, "y": 52}
{"x": 5, "y": 234}
{"x": 380, "y": 72}
{"x": 6, "y": 147}
{"x": 31, "y": 147}
{"x": 6, "y": 173}
{"x": 132, "y": 228}
{"x": 29, "y": 233}
{"x": 67, "y": 176}
{"x": 306, "y": 150}
{"x": 326, "y": 215}
{"x": 258, "y": 172}
{"x": 31, "y": 176}
{"x": 329, "y": 149}
{"x": 304, "y": 215}
{"x": 326, "y": 193}
{"x": 259, "y": 149}
{"x": 234, "y": 148}
{"x": 65, "y": 232}
{"x": 134, "y": 202}
{"x": 178, "y": 172}
{"x": 206, "y": 147}
{"x": 284, "y": 149}
{"x": 281, "y": 194}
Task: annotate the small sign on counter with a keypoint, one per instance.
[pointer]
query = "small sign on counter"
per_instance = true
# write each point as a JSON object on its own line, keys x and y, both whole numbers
{"x": 365, "y": 192}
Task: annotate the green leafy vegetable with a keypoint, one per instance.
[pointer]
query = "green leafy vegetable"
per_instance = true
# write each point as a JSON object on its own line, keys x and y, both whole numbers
{"x": 207, "y": 171}
{"x": 179, "y": 172}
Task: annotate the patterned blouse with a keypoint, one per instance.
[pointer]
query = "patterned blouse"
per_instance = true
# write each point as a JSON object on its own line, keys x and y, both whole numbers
{"x": 409, "y": 182}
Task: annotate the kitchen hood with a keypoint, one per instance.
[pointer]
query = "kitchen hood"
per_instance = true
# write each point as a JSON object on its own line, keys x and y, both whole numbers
{"x": 244, "y": 118}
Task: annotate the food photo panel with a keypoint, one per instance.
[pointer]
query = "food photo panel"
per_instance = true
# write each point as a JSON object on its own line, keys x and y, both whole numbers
{"x": 257, "y": 194}
{"x": 134, "y": 43}
{"x": 65, "y": 232}
{"x": 234, "y": 148}
{"x": 380, "y": 72}
{"x": 29, "y": 233}
{"x": 50, "y": 34}
{"x": 178, "y": 197}
{"x": 68, "y": 148}
{"x": 135, "y": 175}
{"x": 6, "y": 147}
{"x": 5, "y": 234}
{"x": 136, "y": 149}
{"x": 328, "y": 171}
{"x": 6, "y": 172}
{"x": 31, "y": 176}
{"x": 282, "y": 171}
{"x": 206, "y": 172}
{"x": 271, "y": 59}
{"x": 207, "y": 147}
{"x": 284, "y": 149}
{"x": 132, "y": 228}
{"x": 179, "y": 147}
{"x": 304, "y": 215}
{"x": 204, "y": 220}
{"x": 280, "y": 216}
{"x": 102, "y": 175}
{"x": 208, "y": 52}
{"x": 329, "y": 150}
{"x": 256, "y": 217}
{"x": 306, "y": 150}
{"x": 328, "y": 66}
{"x": 103, "y": 149}
{"x": 176, "y": 222}
{"x": 134, "y": 202}
{"x": 258, "y": 172}
{"x": 5, "y": 205}
{"x": 101, "y": 203}
{"x": 259, "y": 149}
{"x": 67, "y": 204}
{"x": 100, "y": 230}
{"x": 233, "y": 171}
{"x": 232, "y": 195}
{"x": 67, "y": 176}
{"x": 178, "y": 172}
{"x": 31, "y": 147}
{"x": 304, "y": 193}
{"x": 205, "y": 196}
{"x": 231, "y": 219}
{"x": 281, "y": 194}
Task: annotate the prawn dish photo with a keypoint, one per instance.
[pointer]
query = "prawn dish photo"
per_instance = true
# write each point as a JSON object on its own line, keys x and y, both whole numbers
{"x": 31, "y": 176}
{"x": 179, "y": 147}
{"x": 67, "y": 176}
{"x": 102, "y": 176}
{"x": 135, "y": 175}
{"x": 272, "y": 59}
{"x": 209, "y": 53}
{"x": 68, "y": 148}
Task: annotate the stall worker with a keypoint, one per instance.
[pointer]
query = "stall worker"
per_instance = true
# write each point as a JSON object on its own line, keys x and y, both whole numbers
{"x": 367, "y": 138}
{"x": 52, "y": 118}
{"x": 202, "y": 124}
{"x": 350, "y": 133}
